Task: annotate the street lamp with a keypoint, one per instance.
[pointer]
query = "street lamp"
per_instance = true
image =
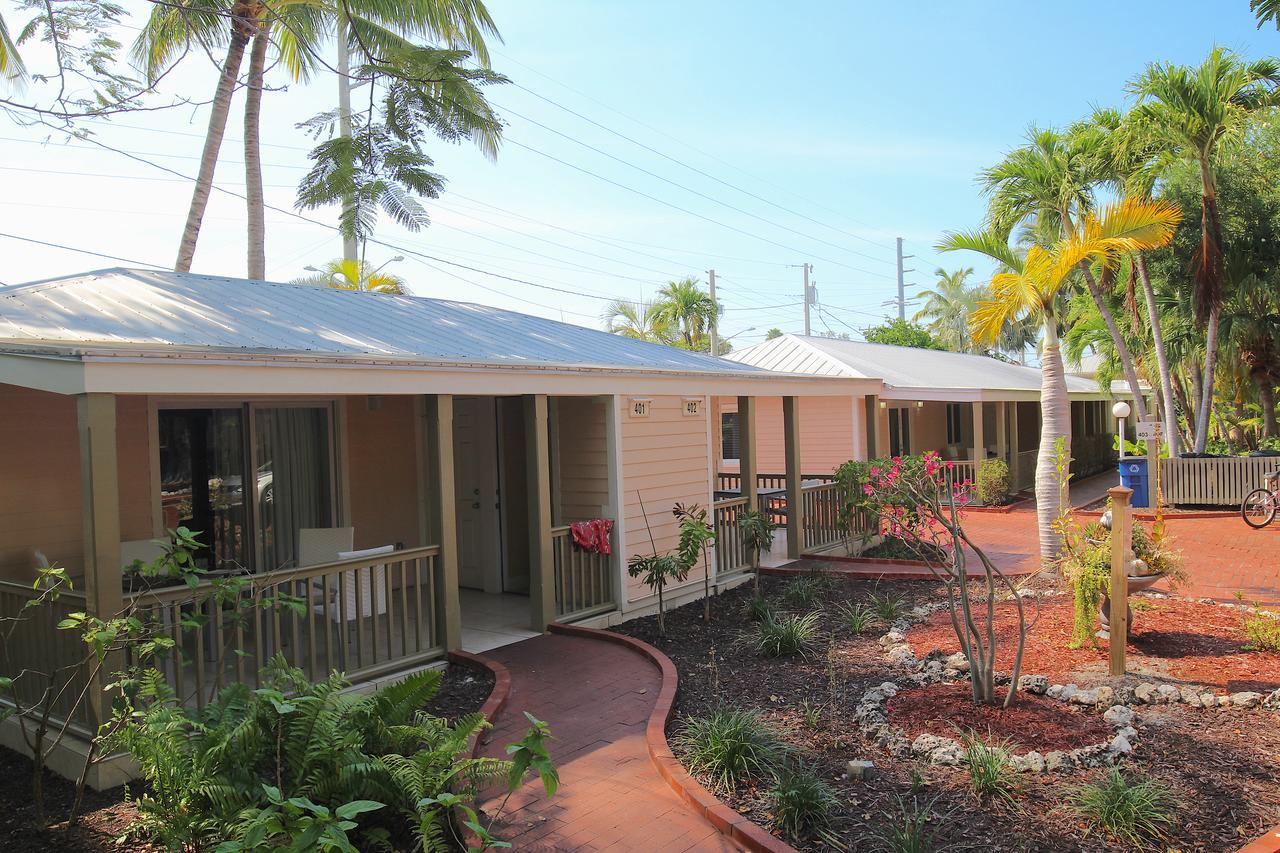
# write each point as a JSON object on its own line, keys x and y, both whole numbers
{"x": 1121, "y": 411}
{"x": 743, "y": 332}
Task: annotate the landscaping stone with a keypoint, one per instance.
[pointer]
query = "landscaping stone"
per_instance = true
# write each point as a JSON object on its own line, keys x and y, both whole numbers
{"x": 1106, "y": 696}
{"x": 1224, "y": 701}
{"x": 1119, "y": 716}
{"x": 858, "y": 768}
{"x": 1084, "y": 697}
{"x": 1035, "y": 762}
{"x": 926, "y": 744}
{"x": 1145, "y": 692}
{"x": 1036, "y": 684}
{"x": 1169, "y": 693}
{"x": 1273, "y": 700}
{"x": 1056, "y": 761}
{"x": 1068, "y": 692}
{"x": 1191, "y": 696}
{"x": 1246, "y": 699}
{"x": 892, "y": 638}
{"x": 1120, "y": 745}
{"x": 958, "y": 662}
{"x": 902, "y": 655}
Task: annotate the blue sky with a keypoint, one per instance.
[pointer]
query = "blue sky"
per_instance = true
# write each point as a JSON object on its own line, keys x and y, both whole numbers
{"x": 846, "y": 124}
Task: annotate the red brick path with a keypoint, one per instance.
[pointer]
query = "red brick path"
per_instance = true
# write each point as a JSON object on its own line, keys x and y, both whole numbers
{"x": 597, "y": 698}
{"x": 1222, "y": 556}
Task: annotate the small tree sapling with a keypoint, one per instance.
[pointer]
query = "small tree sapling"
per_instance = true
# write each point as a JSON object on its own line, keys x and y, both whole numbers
{"x": 695, "y": 535}
{"x": 757, "y": 535}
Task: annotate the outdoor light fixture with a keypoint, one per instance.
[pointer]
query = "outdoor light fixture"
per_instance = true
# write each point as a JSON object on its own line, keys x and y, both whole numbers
{"x": 1121, "y": 411}
{"x": 919, "y": 404}
{"x": 883, "y": 404}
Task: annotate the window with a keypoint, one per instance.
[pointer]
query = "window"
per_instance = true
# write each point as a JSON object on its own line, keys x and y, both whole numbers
{"x": 730, "y": 437}
{"x": 248, "y": 478}
{"x": 955, "y": 423}
{"x": 899, "y": 432}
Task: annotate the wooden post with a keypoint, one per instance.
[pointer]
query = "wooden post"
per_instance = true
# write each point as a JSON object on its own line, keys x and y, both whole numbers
{"x": 795, "y": 497}
{"x": 747, "y": 450}
{"x": 542, "y": 568}
{"x": 444, "y": 520}
{"x": 1015, "y": 467}
{"x": 979, "y": 436}
{"x": 100, "y": 513}
{"x": 1120, "y": 533}
{"x": 1002, "y": 436}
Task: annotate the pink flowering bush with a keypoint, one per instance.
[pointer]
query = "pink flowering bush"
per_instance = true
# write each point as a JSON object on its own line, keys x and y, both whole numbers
{"x": 917, "y": 501}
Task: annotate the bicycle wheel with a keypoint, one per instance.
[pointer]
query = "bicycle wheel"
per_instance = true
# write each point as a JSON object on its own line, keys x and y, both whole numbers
{"x": 1259, "y": 508}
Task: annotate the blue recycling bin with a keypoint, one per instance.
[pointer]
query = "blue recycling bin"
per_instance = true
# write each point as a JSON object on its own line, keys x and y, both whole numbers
{"x": 1133, "y": 475}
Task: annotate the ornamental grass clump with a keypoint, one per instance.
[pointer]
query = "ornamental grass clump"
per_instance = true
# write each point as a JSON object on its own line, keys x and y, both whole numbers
{"x": 914, "y": 830}
{"x": 805, "y": 591}
{"x": 857, "y": 617}
{"x": 888, "y": 607}
{"x": 788, "y": 634}
{"x": 729, "y": 747}
{"x": 801, "y": 802}
{"x": 1135, "y": 812}
{"x": 990, "y": 772}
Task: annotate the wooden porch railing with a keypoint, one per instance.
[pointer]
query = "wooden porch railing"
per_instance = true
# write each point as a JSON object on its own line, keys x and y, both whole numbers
{"x": 1217, "y": 482}
{"x": 363, "y": 617}
{"x": 961, "y": 470}
{"x": 731, "y": 551}
{"x": 584, "y": 579}
{"x": 732, "y": 480}
{"x": 40, "y": 656}
{"x": 820, "y": 519}
{"x": 1027, "y": 460}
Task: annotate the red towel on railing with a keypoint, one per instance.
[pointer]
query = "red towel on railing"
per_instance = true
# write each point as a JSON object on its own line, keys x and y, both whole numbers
{"x": 592, "y": 535}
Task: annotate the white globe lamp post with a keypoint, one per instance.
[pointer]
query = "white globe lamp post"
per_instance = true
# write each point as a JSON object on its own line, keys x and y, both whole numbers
{"x": 1121, "y": 411}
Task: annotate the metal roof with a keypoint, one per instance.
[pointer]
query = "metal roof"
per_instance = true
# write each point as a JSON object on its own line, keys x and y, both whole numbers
{"x": 905, "y": 368}
{"x": 127, "y": 309}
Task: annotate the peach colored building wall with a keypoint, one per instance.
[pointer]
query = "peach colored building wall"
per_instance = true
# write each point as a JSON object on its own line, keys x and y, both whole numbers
{"x": 581, "y": 458}
{"x": 382, "y": 471}
{"x": 827, "y": 434}
{"x": 40, "y": 478}
{"x": 666, "y": 458}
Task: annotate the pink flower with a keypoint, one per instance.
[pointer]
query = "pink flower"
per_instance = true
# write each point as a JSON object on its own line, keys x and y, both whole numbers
{"x": 867, "y": 490}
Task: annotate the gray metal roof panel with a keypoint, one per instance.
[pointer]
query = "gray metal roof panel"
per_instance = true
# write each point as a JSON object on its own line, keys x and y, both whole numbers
{"x": 147, "y": 308}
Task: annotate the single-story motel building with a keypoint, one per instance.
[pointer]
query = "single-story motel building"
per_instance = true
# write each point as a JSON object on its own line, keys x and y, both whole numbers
{"x": 410, "y": 468}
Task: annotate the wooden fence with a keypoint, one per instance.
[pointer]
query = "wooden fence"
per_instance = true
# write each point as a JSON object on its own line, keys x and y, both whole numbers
{"x": 820, "y": 519}
{"x": 583, "y": 579}
{"x": 364, "y": 617}
{"x": 731, "y": 552}
{"x": 732, "y": 481}
{"x": 1216, "y": 482}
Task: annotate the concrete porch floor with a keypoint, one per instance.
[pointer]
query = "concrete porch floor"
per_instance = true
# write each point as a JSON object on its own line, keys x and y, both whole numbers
{"x": 490, "y": 621}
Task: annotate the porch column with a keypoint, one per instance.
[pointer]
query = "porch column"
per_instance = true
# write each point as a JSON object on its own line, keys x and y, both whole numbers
{"x": 791, "y": 450}
{"x": 1002, "y": 437}
{"x": 979, "y": 439}
{"x": 100, "y": 513}
{"x": 445, "y": 521}
{"x": 542, "y": 569}
{"x": 872, "y": 438}
{"x": 1015, "y": 474}
{"x": 747, "y": 450}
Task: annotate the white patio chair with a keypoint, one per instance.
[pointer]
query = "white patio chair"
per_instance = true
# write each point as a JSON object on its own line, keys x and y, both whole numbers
{"x": 372, "y": 598}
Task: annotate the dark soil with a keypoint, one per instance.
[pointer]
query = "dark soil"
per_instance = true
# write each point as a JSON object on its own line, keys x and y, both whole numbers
{"x": 1031, "y": 723}
{"x": 1219, "y": 764}
{"x": 1173, "y": 639}
{"x": 892, "y": 548}
{"x": 106, "y": 816}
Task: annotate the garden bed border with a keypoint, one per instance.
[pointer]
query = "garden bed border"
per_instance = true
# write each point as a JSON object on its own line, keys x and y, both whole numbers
{"x": 729, "y": 822}
{"x": 497, "y": 700}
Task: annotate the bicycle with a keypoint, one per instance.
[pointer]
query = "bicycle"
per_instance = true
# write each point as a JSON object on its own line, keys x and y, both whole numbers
{"x": 1260, "y": 506}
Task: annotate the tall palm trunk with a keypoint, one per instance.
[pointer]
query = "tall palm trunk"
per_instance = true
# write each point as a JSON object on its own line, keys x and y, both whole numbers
{"x": 1117, "y": 340}
{"x": 1055, "y": 423}
{"x": 349, "y": 248}
{"x": 1208, "y": 293}
{"x": 1162, "y": 357}
{"x": 257, "y": 225}
{"x": 1206, "y": 381}
{"x": 1267, "y": 399}
{"x": 241, "y": 30}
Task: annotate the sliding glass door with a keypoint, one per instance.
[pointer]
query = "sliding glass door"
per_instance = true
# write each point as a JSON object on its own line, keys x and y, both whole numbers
{"x": 247, "y": 479}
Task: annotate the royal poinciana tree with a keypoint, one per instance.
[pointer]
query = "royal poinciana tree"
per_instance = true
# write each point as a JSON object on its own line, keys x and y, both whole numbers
{"x": 916, "y": 500}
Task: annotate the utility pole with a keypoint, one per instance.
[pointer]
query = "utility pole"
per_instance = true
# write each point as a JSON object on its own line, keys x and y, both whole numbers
{"x": 902, "y": 288}
{"x": 715, "y": 313}
{"x": 808, "y": 297}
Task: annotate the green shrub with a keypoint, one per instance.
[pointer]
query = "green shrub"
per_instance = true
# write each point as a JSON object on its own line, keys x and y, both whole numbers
{"x": 759, "y": 609}
{"x": 811, "y": 712}
{"x": 800, "y": 800}
{"x": 1262, "y": 632}
{"x": 857, "y": 617}
{"x": 990, "y": 773}
{"x": 913, "y": 831}
{"x": 788, "y": 634}
{"x": 729, "y": 747}
{"x": 991, "y": 486}
{"x": 805, "y": 590}
{"x": 888, "y": 607}
{"x": 1133, "y": 812}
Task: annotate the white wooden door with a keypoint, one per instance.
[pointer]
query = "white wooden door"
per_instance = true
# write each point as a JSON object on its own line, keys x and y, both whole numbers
{"x": 475, "y": 482}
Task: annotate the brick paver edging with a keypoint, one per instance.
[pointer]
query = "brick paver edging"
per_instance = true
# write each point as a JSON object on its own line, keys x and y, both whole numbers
{"x": 497, "y": 697}
{"x": 866, "y": 567}
{"x": 1267, "y": 843}
{"x": 1145, "y": 515}
{"x": 723, "y": 818}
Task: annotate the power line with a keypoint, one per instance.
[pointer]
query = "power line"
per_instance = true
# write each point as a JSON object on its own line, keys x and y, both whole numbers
{"x": 81, "y": 251}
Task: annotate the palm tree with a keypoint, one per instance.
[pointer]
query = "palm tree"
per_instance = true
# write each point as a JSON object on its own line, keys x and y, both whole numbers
{"x": 1029, "y": 286}
{"x": 11, "y": 67}
{"x": 343, "y": 274}
{"x": 947, "y": 306}
{"x": 641, "y": 321}
{"x": 1251, "y": 328}
{"x": 1048, "y": 184}
{"x": 688, "y": 309}
{"x": 1189, "y": 113}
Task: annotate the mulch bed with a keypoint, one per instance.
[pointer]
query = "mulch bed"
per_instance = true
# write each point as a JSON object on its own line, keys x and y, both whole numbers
{"x": 106, "y": 816}
{"x": 1173, "y": 639}
{"x": 1031, "y": 722}
{"x": 1219, "y": 764}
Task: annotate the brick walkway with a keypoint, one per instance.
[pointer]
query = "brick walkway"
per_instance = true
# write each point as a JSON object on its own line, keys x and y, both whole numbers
{"x": 1222, "y": 556}
{"x": 597, "y": 697}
